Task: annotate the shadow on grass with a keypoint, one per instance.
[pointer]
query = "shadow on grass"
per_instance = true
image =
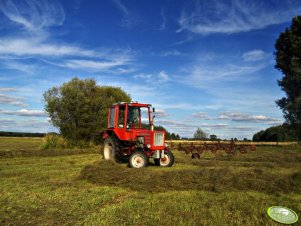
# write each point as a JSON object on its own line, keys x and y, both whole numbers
{"x": 218, "y": 179}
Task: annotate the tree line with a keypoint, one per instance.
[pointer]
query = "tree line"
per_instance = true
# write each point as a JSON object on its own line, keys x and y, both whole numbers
{"x": 279, "y": 133}
{"x": 20, "y": 134}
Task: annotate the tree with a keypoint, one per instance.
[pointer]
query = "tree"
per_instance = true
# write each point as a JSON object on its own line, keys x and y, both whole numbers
{"x": 276, "y": 134}
{"x": 200, "y": 134}
{"x": 288, "y": 61}
{"x": 79, "y": 108}
{"x": 213, "y": 137}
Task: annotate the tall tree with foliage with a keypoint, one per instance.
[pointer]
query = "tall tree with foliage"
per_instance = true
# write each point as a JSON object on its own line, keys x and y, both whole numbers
{"x": 288, "y": 61}
{"x": 276, "y": 133}
{"x": 79, "y": 108}
{"x": 200, "y": 134}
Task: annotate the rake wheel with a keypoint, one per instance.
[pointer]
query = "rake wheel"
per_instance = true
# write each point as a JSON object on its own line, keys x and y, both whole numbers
{"x": 213, "y": 149}
{"x": 242, "y": 149}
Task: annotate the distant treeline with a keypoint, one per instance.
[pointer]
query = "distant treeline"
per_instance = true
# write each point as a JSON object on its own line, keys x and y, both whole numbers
{"x": 20, "y": 134}
{"x": 276, "y": 133}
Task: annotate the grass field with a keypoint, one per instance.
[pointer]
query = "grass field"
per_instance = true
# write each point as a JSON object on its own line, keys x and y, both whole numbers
{"x": 75, "y": 187}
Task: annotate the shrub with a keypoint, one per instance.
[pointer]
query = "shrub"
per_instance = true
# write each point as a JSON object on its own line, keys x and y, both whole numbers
{"x": 59, "y": 142}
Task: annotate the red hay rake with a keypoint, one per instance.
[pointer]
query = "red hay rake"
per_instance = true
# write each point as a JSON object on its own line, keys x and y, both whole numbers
{"x": 230, "y": 148}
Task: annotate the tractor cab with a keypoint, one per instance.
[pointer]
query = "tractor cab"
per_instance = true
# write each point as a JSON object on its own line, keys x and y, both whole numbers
{"x": 131, "y": 128}
{"x": 130, "y": 116}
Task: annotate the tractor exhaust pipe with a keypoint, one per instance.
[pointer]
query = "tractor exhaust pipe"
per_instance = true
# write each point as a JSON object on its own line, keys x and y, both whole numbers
{"x": 152, "y": 121}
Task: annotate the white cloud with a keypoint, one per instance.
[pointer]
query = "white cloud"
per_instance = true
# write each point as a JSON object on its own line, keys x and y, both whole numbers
{"x": 33, "y": 125}
{"x": 25, "y": 112}
{"x": 173, "y": 52}
{"x": 201, "y": 115}
{"x": 190, "y": 106}
{"x": 7, "y": 89}
{"x": 11, "y": 100}
{"x": 241, "y": 117}
{"x": 187, "y": 129}
{"x": 161, "y": 77}
{"x": 241, "y": 128}
{"x": 13, "y": 51}
{"x": 164, "y": 19}
{"x": 121, "y": 7}
{"x": 202, "y": 74}
{"x": 37, "y": 47}
{"x": 6, "y": 123}
{"x": 209, "y": 17}
{"x": 95, "y": 65}
{"x": 33, "y": 15}
{"x": 180, "y": 127}
{"x": 207, "y": 74}
{"x": 14, "y": 65}
{"x": 214, "y": 126}
{"x": 254, "y": 55}
{"x": 161, "y": 113}
{"x": 127, "y": 20}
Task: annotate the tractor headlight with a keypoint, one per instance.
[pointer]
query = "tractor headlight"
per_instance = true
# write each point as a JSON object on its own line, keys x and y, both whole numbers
{"x": 148, "y": 146}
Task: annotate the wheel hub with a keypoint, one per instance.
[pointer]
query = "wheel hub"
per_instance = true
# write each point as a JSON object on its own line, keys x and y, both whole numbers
{"x": 164, "y": 161}
{"x": 138, "y": 161}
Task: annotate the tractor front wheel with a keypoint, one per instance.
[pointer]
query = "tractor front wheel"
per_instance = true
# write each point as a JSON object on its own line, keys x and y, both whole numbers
{"x": 167, "y": 161}
{"x": 138, "y": 159}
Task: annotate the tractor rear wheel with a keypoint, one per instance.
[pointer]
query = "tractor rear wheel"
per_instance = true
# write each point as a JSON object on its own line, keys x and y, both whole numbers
{"x": 167, "y": 161}
{"x": 111, "y": 149}
{"x": 138, "y": 159}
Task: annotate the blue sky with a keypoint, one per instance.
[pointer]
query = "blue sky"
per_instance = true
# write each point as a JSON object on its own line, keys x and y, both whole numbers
{"x": 206, "y": 64}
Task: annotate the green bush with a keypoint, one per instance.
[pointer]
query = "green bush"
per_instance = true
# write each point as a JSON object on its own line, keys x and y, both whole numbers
{"x": 59, "y": 142}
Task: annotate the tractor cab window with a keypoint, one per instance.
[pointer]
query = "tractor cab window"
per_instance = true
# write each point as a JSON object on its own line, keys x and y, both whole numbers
{"x": 145, "y": 124}
{"x": 121, "y": 116}
{"x": 134, "y": 116}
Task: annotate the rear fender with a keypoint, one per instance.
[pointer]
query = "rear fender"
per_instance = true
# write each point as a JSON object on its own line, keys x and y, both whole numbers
{"x": 107, "y": 134}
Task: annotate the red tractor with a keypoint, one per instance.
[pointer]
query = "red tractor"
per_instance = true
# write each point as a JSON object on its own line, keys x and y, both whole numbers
{"x": 130, "y": 136}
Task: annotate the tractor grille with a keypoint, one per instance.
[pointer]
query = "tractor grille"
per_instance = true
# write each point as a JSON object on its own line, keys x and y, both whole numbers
{"x": 158, "y": 139}
{"x": 144, "y": 137}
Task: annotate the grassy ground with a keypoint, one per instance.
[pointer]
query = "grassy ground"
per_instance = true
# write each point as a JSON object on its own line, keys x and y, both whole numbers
{"x": 29, "y": 147}
{"x": 80, "y": 188}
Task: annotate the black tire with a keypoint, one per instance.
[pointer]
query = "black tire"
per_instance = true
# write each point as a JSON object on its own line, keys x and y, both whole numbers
{"x": 111, "y": 149}
{"x": 195, "y": 156}
{"x": 138, "y": 159}
{"x": 157, "y": 162}
{"x": 167, "y": 161}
